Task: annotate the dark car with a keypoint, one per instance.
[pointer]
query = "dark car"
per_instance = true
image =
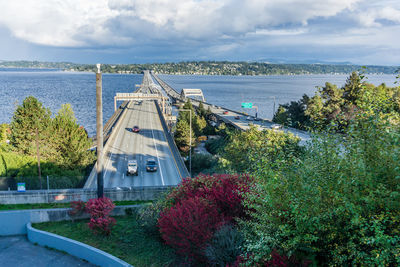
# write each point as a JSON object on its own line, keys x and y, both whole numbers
{"x": 151, "y": 165}
{"x": 237, "y": 117}
{"x": 135, "y": 129}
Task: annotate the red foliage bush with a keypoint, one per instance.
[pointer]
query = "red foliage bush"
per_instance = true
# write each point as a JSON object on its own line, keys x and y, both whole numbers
{"x": 99, "y": 210}
{"x": 198, "y": 207}
{"x": 101, "y": 225}
{"x": 77, "y": 208}
{"x": 188, "y": 226}
{"x": 224, "y": 190}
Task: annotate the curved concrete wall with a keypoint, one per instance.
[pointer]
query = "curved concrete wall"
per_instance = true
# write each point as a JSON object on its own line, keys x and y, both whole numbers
{"x": 72, "y": 247}
{"x": 14, "y": 222}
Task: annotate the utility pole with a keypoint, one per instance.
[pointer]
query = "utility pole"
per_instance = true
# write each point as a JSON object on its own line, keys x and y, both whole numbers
{"x": 99, "y": 135}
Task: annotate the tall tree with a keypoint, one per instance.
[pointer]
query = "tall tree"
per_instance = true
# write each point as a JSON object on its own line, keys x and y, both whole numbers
{"x": 70, "y": 139}
{"x": 30, "y": 120}
{"x": 352, "y": 88}
{"x": 182, "y": 135}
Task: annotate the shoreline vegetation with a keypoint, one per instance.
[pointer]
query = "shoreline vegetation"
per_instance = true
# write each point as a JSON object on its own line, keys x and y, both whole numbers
{"x": 207, "y": 68}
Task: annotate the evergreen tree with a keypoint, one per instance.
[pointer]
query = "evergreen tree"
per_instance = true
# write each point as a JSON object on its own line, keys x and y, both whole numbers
{"x": 182, "y": 135}
{"x": 71, "y": 140}
{"x": 352, "y": 88}
{"x": 31, "y": 121}
{"x": 201, "y": 110}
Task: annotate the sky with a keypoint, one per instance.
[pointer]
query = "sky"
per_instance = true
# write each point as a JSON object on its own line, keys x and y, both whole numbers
{"x": 365, "y": 32}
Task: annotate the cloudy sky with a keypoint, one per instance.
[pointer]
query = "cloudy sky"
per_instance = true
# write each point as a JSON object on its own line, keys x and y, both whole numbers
{"x": 147, "y": 31}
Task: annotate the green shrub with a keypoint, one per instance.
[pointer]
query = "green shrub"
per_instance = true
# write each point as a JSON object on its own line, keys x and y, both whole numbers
{"x": 338, "y": 203}
{"x": 225, "y": 246}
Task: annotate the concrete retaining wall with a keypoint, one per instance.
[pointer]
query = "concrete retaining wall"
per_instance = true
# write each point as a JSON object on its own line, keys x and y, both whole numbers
{"x": 68, "y": 195}
{"x": 72, "y": 247}
{"x": 14, "y": 222}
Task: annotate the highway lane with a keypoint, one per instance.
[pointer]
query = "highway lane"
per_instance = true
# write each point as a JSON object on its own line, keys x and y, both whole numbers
{"x": 150, "y": 142}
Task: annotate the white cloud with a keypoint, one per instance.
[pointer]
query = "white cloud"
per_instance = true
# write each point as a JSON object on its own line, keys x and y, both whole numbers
{"x": 77, "y": 23}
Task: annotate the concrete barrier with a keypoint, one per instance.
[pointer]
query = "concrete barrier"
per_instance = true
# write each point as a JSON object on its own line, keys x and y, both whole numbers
{"x": 72, "y": 247}
{"x": 67, "y": 195}
{"x": 14, "y": 222}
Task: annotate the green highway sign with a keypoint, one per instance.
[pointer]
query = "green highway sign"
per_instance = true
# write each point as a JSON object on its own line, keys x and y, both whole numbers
{"x": 247, "y": 105}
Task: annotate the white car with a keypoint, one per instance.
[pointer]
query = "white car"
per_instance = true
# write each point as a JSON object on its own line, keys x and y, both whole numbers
{"x": 276, "y": 126}
{"x": 132, "y": 168}
{"x": 249, "y": 118}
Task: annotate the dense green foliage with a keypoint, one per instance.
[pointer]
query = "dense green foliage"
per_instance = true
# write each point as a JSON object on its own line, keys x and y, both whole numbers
{"x": 63, "y": 146}
{"x": 333, "y": 106}
{"x": 336, "y": 204}
{"x": 182, "y": 131}
{"x": 206, "y": 67}
{"x": 246, "y": 149}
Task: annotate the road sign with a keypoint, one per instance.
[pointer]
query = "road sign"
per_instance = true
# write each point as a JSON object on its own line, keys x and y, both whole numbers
{"x": 247, "y": 105}
{"x": 21, "y": 187}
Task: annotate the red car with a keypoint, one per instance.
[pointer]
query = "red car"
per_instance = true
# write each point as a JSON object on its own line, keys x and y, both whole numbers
{"x": 135, "y": 129}
{"x": 225, "y": 112}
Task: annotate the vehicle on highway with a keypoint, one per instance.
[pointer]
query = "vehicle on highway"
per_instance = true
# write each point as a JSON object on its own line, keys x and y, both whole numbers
{"x": 151, "y": 165}
{"x": 237, "y": 117}
{"x": 257, "y": 119}
{"x": 132, "y": 168}
{"x": 249, "y": 118}
{"x": 225, "y": 112}
{"x": 276, "y": 126}
{"x": 135, "y": 129}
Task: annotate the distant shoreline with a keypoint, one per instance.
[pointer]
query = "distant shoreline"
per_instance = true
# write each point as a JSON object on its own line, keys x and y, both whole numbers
{"x": 213, "y": 68}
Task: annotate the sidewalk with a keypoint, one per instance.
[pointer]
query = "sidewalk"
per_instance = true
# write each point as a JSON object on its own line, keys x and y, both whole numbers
{"x": 16, "y": 251}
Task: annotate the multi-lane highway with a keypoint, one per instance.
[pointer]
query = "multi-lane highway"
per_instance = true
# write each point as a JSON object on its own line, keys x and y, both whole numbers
{"x": 149, "y": 142}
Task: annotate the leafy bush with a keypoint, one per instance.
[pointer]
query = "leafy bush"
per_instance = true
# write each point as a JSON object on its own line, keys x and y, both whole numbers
{"x": 339, "y": 202}
{"x": 225, "y": 246}
{"x": 189, "y": 225}
{"x": 77, "y": 208}
{"x": 198, "y": 207}
{"x": 149, "y": 215}
{"x": 99, "y": 210}
{"x": 223, "y": 190}
{"x": 201, "y": 162}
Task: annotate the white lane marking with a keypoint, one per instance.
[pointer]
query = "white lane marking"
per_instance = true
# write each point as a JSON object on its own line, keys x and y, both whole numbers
{"x": 158, "y": 159}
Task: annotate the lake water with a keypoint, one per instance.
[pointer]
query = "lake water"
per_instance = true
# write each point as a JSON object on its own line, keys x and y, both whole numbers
{"x": 54, "y": 88}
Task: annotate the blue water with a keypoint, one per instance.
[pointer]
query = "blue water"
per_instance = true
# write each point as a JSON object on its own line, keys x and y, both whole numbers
{"x": 54, "y": 88}
{"x": 231, "y": 91}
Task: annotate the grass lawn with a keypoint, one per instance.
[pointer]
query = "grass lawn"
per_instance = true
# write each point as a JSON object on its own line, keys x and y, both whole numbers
{"x": 128, "y": 241}
{"x": 59, "y": 205}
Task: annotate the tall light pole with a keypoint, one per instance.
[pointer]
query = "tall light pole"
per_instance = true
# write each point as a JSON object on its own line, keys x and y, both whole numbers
{"x": 99, "y": 128}
{"x": 190, "y": 140}
{"x": 273, "y": 112}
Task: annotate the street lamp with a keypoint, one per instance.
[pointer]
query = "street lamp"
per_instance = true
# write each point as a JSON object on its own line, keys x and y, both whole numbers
{"x": 190, "y": 140}
{"x": 273, "y": 112}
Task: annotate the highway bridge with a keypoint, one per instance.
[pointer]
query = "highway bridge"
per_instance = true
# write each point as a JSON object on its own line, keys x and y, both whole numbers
{"x": 237, "y": 119}
{"x": 152, "y": 141}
